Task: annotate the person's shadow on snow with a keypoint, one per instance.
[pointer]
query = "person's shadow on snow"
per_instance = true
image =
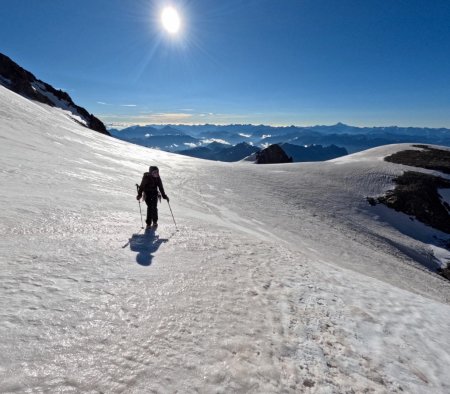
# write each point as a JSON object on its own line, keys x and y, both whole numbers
{"x": 145, "y": 245}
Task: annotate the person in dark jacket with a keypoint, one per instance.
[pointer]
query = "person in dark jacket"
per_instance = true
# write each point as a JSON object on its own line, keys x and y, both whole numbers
{"x": 150, "y": 184}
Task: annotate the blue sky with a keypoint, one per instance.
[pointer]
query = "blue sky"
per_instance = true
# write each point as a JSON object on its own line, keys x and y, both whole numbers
{"x": 281, "y": 62}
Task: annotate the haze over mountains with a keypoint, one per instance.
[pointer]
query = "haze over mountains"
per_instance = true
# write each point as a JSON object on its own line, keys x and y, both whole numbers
{"x": 338, "y": 139}
{"x": 226, "y": 142}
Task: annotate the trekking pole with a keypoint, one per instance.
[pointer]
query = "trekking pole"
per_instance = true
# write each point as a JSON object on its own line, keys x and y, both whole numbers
{"x": 140, "y": 210}
{"x": 172, "y": 215}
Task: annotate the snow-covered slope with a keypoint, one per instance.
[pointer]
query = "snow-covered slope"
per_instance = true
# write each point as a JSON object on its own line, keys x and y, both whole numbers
{"x": 281, "y": 278}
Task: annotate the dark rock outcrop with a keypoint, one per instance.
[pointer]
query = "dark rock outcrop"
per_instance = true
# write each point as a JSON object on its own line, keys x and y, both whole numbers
{"x": 26, "y": 84}
{"x": 416, "y": 194}
{"x": 427, "y": 157}
{"x": 419, "y": 194}
{"x": 445, "y": 272}
{"x": 272, "y": 154}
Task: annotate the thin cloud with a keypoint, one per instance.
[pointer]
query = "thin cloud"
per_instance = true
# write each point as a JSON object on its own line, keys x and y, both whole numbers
{"x": 149, "y": 117}
{"x": 145, "y": 119}
{"x": 191, "y": 144}
{"x": 120, "y": 105}
{"x": 211, "y": 140}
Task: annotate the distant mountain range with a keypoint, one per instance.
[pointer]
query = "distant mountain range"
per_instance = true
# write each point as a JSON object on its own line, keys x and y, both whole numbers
{"x": 353, "y": 139}
{"x": 313, "y": 152}
{"x": 327, "y": 142}
{"x": 21, "y": 81}
{"x": 221, "y": 152}
{"x": 319, "y": 142}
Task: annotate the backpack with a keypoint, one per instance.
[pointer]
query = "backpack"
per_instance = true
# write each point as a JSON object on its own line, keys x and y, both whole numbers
{"x": 151, "y": 183}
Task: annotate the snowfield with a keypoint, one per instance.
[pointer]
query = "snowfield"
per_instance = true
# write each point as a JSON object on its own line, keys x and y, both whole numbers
{"x": 280, "y": 278}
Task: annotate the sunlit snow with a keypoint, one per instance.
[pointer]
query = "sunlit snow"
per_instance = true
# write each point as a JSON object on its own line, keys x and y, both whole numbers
{"x": 281, "y": 278}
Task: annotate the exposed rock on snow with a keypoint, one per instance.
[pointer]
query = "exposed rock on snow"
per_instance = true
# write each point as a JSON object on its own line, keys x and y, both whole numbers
{"x": 24, "y": 83}
{"x": 416, "y": 194}
{"x": 271, "y": 155}
{"x": 445, "y": 272}
{"x": 426, "y": 157}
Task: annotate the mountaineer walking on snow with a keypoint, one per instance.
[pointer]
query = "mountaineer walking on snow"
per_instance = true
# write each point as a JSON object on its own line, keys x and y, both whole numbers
{"x": 150, "y": 184}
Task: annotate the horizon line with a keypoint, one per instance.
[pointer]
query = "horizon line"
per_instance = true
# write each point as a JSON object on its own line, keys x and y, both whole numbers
{"x": 123, "y": 125}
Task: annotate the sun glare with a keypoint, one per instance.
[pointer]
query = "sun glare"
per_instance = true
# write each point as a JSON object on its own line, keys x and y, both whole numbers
{"x": 170, "y": 20}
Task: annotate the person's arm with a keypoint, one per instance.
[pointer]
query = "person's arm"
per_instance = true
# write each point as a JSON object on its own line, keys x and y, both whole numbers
{"x": 161, "y": 189}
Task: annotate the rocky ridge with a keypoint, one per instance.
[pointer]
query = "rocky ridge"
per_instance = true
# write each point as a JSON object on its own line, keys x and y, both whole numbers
{"x": 23, "y": 82}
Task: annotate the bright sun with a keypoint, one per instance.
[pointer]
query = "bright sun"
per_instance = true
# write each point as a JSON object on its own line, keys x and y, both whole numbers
{"x": 170, "y": 20}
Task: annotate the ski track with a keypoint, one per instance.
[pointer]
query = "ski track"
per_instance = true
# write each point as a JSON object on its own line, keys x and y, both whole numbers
{"x": 279, "y": 279}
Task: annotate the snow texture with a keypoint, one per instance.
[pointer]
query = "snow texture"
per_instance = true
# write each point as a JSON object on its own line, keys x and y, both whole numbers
{"x": 281, "y": 278}
{"x": 68, "y": 108}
